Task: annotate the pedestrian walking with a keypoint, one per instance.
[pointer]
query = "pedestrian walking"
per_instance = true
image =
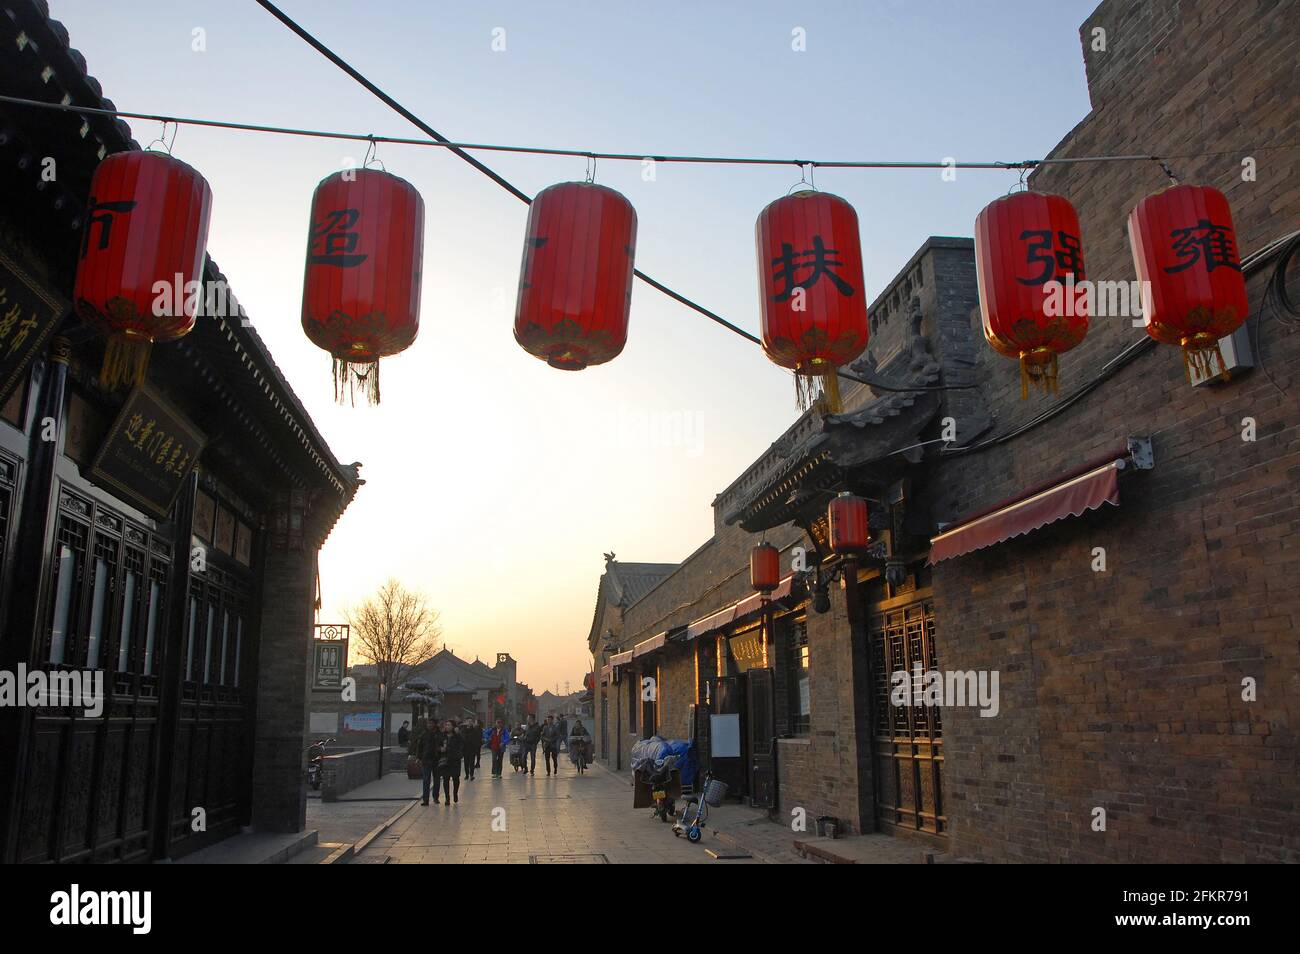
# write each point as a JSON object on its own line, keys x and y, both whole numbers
{"x": 532, "y": 736}
{"x": 471, "y": 740}
{"x": 404, "y": 734}
{"x": 453, "y": 754}
{"x": 498, "y": 740}
{"x": 430, "y": 751}
{"x": 564, "y": 733}
{"x": 551, "y": 745}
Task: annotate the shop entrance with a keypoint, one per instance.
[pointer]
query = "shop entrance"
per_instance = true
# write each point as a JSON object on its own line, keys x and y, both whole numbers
{"x": 907, "y": 740}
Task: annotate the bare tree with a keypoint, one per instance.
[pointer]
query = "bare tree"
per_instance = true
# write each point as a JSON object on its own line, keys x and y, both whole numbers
{"x": 394, "y": 630}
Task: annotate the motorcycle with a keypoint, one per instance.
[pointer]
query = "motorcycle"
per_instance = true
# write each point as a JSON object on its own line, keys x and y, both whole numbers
{"x": 315, "y": 753}
{"x": 659, "y": 779}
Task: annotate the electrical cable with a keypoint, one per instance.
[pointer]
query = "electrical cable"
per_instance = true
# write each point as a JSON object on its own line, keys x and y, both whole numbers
{"x": 999, "y": 165}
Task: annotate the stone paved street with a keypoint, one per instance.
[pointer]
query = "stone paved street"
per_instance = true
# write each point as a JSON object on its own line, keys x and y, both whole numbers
{"x": 564, "y": 819}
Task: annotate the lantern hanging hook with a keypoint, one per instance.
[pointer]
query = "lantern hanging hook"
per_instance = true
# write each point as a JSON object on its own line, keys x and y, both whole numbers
{"x": 591, "y": 168}
{"x": 372, "y": 155}
{"x": 805, "y": 176}
{"x": 1021, "y": 185}
{"x": 162, "y": 137}
{"x": 1164, "y": 167}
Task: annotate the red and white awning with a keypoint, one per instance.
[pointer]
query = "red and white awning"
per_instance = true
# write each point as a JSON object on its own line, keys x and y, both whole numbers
{"x": 738, "y": 611}
{"x": 1070, "y": 497}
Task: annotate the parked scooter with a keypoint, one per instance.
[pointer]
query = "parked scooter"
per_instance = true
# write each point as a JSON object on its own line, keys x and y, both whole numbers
{"x": 696, "y": 813}
{"x": 659, "y": 779}
{"x": 315, "y": 753}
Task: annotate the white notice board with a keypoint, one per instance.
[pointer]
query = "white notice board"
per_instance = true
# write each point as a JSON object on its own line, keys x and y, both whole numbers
{"x": 724, "y": 736}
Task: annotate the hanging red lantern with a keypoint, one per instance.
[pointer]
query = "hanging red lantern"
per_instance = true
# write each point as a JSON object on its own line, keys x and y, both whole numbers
{"x": 575, "y": 284}
{"x": 1029, "y": 266}
{"x": 847, "y": 521}
{"x": 361, "y": 291}
{"x": 814, "y": 308}
{"x": 765, "y": 568}
{"x": 1185, "y": 252}
{"x": 140, "y": 276}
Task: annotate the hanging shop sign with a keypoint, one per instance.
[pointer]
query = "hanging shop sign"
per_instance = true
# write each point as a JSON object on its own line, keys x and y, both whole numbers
{"x": 28, "y": 316}
{"x": 149, "y": 452}
{"x": 330, "y": 655}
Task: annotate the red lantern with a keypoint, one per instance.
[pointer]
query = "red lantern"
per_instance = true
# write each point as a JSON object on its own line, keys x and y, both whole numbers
{"x": 765, "y": 568}
{"x": 361, "y": 291}
{"x": 847, "y": 519}
{"x": 575, "y": 284}
{"x": 1185, "y": 253}
{"x": 141, "y": 270}
{"x": 810, "y": 282}
{"x": 1028, "y": 262}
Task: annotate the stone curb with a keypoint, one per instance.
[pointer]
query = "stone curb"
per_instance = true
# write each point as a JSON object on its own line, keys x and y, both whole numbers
{"x": 346, "y": 853}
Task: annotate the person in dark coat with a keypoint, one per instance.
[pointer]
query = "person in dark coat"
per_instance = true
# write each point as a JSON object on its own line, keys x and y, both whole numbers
{"x": 453, "y": 754}
{"x": 404, "y": 734}
{"x": 472, "y": 738}
{"x": 430, "y": 751}
{"x": 551, "y": 745}
{"x": 532, "y": 735}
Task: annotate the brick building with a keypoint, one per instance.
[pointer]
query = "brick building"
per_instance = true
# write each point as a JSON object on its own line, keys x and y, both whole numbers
{"x": 195, "y": 609}
{"x": 1123, "y": 684}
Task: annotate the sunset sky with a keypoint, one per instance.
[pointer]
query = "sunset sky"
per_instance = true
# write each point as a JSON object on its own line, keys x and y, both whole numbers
{"x": 494, "y": 483}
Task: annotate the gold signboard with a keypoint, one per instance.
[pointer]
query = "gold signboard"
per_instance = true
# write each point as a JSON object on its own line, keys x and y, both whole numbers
{"x": 747, "y": 649}
{"x": 148, "y": 453}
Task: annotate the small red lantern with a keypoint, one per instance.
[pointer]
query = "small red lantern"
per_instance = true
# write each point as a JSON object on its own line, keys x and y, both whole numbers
{"x": 140, "y": 276}
{"x": 814, "y": 307}
{"x": 1028, "y": 263}
{"x": 575, "y": 284}
{"x": 1185, "y": 253}
{"x": 361, "y": 290}
{"x": 765, "y": 568}
{"x": 848, "y": 530}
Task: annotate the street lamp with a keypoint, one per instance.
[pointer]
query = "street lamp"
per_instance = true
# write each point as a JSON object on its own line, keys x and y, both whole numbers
{"x": 383, "y": 724}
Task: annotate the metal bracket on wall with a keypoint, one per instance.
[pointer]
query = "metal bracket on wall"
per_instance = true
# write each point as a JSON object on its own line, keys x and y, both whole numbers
{"x": 1140, "y": 453}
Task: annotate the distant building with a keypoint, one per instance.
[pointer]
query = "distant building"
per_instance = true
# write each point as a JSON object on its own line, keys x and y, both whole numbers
{"x": 464, "y": 689}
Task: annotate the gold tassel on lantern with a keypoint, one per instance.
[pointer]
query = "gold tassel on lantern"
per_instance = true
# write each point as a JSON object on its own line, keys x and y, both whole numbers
{"x": 821, "y": 388}
{"x": 126, "y": 361}
{"x": 349, "y": 375}
{"x": 1039, "y": 368}
{"x": 1200, "y": 354}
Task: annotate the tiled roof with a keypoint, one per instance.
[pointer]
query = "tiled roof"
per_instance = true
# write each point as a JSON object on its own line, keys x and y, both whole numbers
{"x": 631, "y": 581}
